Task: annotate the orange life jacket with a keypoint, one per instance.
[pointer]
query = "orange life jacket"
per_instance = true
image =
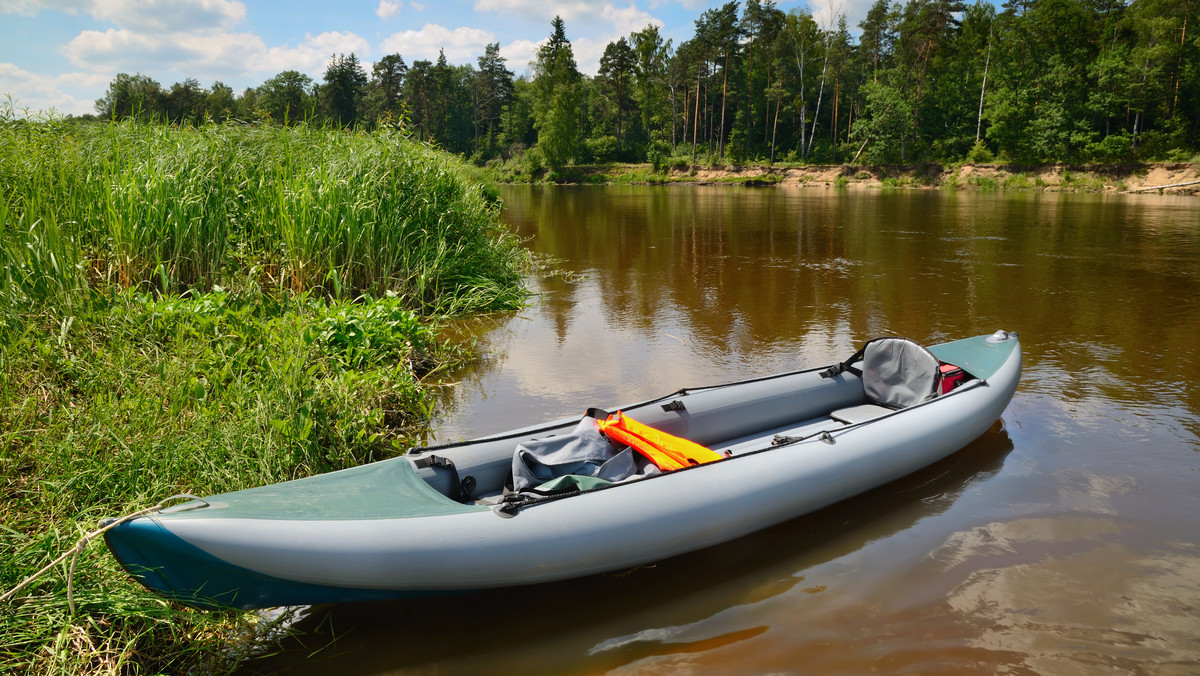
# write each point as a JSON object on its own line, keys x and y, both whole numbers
{"x": 665, "y": 451}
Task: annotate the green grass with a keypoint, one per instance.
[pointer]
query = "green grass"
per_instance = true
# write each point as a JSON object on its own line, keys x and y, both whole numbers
{"x": 1017, "y": 182}
{"x": 1072, "y": 181}
{"x": 157, "y": 207}
{"x": 203, "y": 310}
{"x": 639, "y": 177}
{"x": 983, "y": 183}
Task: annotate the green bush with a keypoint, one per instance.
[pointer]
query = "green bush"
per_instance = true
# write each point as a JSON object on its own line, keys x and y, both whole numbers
{"x": 984, "y": 183}
{"x": 532, "y": 162}
{"x": 658, "y": 154}
{"x": 601, "y": 149}
{"x": 980, "y": 153}
{"x": 1017, "y": 182}
{"x": 1111, "y": 148}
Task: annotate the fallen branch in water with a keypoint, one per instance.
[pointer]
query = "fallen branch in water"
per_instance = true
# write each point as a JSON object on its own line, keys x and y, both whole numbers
{"x": 1161, "y": 187}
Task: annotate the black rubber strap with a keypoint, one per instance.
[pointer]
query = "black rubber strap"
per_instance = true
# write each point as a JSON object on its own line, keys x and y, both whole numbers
{"x": 846, "y": 365}
{"x": 456, "y": 484}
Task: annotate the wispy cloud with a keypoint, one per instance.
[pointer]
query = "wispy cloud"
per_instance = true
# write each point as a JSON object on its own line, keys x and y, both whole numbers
{"x": 171, "y": 16}
{"x": 387, "y": 9}
{"x": 67, "y": 93}
{"x": 34, "y": 7}
{"x": 461, "y": 44}
{"x": 311, "y": 55}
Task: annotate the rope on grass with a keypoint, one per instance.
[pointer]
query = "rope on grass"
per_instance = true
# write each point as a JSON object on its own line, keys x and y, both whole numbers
{"x": 75, "y": 551}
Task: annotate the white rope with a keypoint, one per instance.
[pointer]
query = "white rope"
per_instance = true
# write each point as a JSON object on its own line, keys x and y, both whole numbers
{"x": 75, "y": 551}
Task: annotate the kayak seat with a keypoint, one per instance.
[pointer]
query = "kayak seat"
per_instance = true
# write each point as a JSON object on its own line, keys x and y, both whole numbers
{"x": 896, "y": 372}
{"x": 861, "y": 413}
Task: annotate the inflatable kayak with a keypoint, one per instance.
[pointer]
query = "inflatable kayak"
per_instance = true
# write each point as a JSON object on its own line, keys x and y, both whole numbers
{"x": 580, "y": 496}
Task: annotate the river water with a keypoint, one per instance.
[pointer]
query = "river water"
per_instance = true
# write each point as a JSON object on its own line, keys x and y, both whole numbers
{"x": 1066, "y": 540}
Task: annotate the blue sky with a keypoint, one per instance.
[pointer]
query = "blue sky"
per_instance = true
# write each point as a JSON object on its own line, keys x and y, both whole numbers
{"x": 62, "y": 54}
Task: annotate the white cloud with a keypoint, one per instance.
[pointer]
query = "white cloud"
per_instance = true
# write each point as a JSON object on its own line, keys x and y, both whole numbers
{"x": 120, "y": 49}
{"x": 541, "y": 11}
{"x": 588, "y": 53}
{"x": 201, "y": 55}
{"x": 207, "y": 55}
{"x": 387, "y": 10}
{"x": 312, "y": 55}
{"x": 34, "y": 7}
{"x": 462, "y": 44}
{"x": 580, "y": 12}
{"x": 826, "y": 12}
{"x": 67, "y": 93}
{"x": 598, "y": 22}
{"x": 520, "y": 53}
{"x": 629, "y": 19}
{"x": 192, "y": 38}
{"x": 170, "y": 15}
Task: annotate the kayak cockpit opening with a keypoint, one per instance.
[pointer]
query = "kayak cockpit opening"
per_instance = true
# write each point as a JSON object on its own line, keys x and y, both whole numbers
{"x": 692, "y": 428}
{"x": 603, "y": 449}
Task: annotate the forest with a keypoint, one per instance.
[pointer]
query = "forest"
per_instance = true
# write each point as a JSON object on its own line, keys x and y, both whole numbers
{"x": 1035, "y": 81}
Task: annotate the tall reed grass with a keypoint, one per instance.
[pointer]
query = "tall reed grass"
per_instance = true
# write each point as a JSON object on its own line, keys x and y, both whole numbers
{"x": 148, "y": 206}
{"x": 201, "y": 310}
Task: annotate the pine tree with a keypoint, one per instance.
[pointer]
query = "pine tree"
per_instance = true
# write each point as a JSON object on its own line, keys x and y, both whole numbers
{"x": 556, "y": 85}
{"x": 493, "y": 87}
{"x": 384, "y": 95}
{"x": 345, "y": 84}
{"x": 616, "y": 71}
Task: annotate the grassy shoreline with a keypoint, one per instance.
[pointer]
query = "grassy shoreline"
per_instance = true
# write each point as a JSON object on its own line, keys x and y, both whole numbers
{"x": 200, "y": 310}
{"x": 1061, "y": 177}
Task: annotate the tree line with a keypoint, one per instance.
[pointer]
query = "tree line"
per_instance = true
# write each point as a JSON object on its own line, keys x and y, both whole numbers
{"x": 924, "y": 80}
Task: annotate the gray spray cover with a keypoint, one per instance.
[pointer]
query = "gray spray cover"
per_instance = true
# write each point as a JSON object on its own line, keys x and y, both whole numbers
{"x": 583, "y": 452}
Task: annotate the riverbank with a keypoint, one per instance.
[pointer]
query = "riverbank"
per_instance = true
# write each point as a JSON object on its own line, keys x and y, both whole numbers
{"x": 982, "y": 177}
{"x": 201, "y": 310}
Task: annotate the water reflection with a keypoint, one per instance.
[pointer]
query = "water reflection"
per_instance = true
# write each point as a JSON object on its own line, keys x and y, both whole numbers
{"x": 698, "y": 605}
{"x": 1141, "y": 609}
{"x": 1064, "y": 543}
{"x": 685, "y": 286}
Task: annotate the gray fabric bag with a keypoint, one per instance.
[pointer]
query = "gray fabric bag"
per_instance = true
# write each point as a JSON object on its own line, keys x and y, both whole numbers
{"x": 582, "y": 452}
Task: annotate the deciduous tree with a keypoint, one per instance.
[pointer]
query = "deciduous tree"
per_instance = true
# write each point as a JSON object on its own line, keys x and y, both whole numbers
{"x": 287, "y": 97}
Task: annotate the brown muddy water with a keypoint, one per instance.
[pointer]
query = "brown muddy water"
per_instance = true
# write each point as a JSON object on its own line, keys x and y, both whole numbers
{"x": 1065, "y": 541}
